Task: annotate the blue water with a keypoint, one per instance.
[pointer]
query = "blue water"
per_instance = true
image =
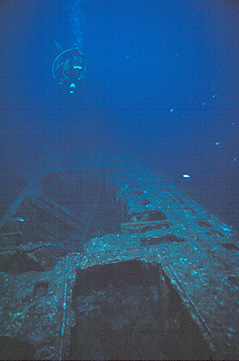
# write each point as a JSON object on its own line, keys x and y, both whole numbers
{"x": 162, "y": 84}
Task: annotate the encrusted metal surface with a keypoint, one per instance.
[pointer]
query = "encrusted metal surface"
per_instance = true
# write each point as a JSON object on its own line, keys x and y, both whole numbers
{"x": 145, "y": 219}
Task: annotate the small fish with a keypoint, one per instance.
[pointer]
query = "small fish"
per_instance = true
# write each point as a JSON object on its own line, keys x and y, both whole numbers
{"x": 217, "y": 143}
{"x": 20, "y": 219}
{"x": 186, "y": 176}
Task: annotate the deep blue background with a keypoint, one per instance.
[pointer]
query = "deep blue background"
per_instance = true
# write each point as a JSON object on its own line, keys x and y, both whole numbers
{"x": 162, "y": 84}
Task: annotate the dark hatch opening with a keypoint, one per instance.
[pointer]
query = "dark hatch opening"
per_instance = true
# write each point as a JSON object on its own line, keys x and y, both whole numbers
{"x": 129, "y": 311}
{"x": 13, "y": 349}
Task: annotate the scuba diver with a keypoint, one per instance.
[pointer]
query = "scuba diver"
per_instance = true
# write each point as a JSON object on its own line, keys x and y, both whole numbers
{"x": 69, "y": 68}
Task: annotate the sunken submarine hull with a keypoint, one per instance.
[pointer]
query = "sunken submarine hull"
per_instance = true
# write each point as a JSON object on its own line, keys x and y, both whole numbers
{"x": 105, "y": 260}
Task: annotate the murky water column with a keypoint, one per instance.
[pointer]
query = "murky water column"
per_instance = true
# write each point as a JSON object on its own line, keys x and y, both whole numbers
{"x": 76, "y": 21}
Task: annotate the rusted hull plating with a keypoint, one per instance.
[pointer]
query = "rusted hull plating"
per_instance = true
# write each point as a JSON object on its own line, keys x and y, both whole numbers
{"x": 75, "y": 217}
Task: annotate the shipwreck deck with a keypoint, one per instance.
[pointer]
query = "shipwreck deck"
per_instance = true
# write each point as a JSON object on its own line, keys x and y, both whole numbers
{"x": 86, "y": 234}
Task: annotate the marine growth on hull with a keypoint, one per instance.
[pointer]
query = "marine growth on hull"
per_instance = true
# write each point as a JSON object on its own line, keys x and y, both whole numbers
{"x": 108, "y": 261}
